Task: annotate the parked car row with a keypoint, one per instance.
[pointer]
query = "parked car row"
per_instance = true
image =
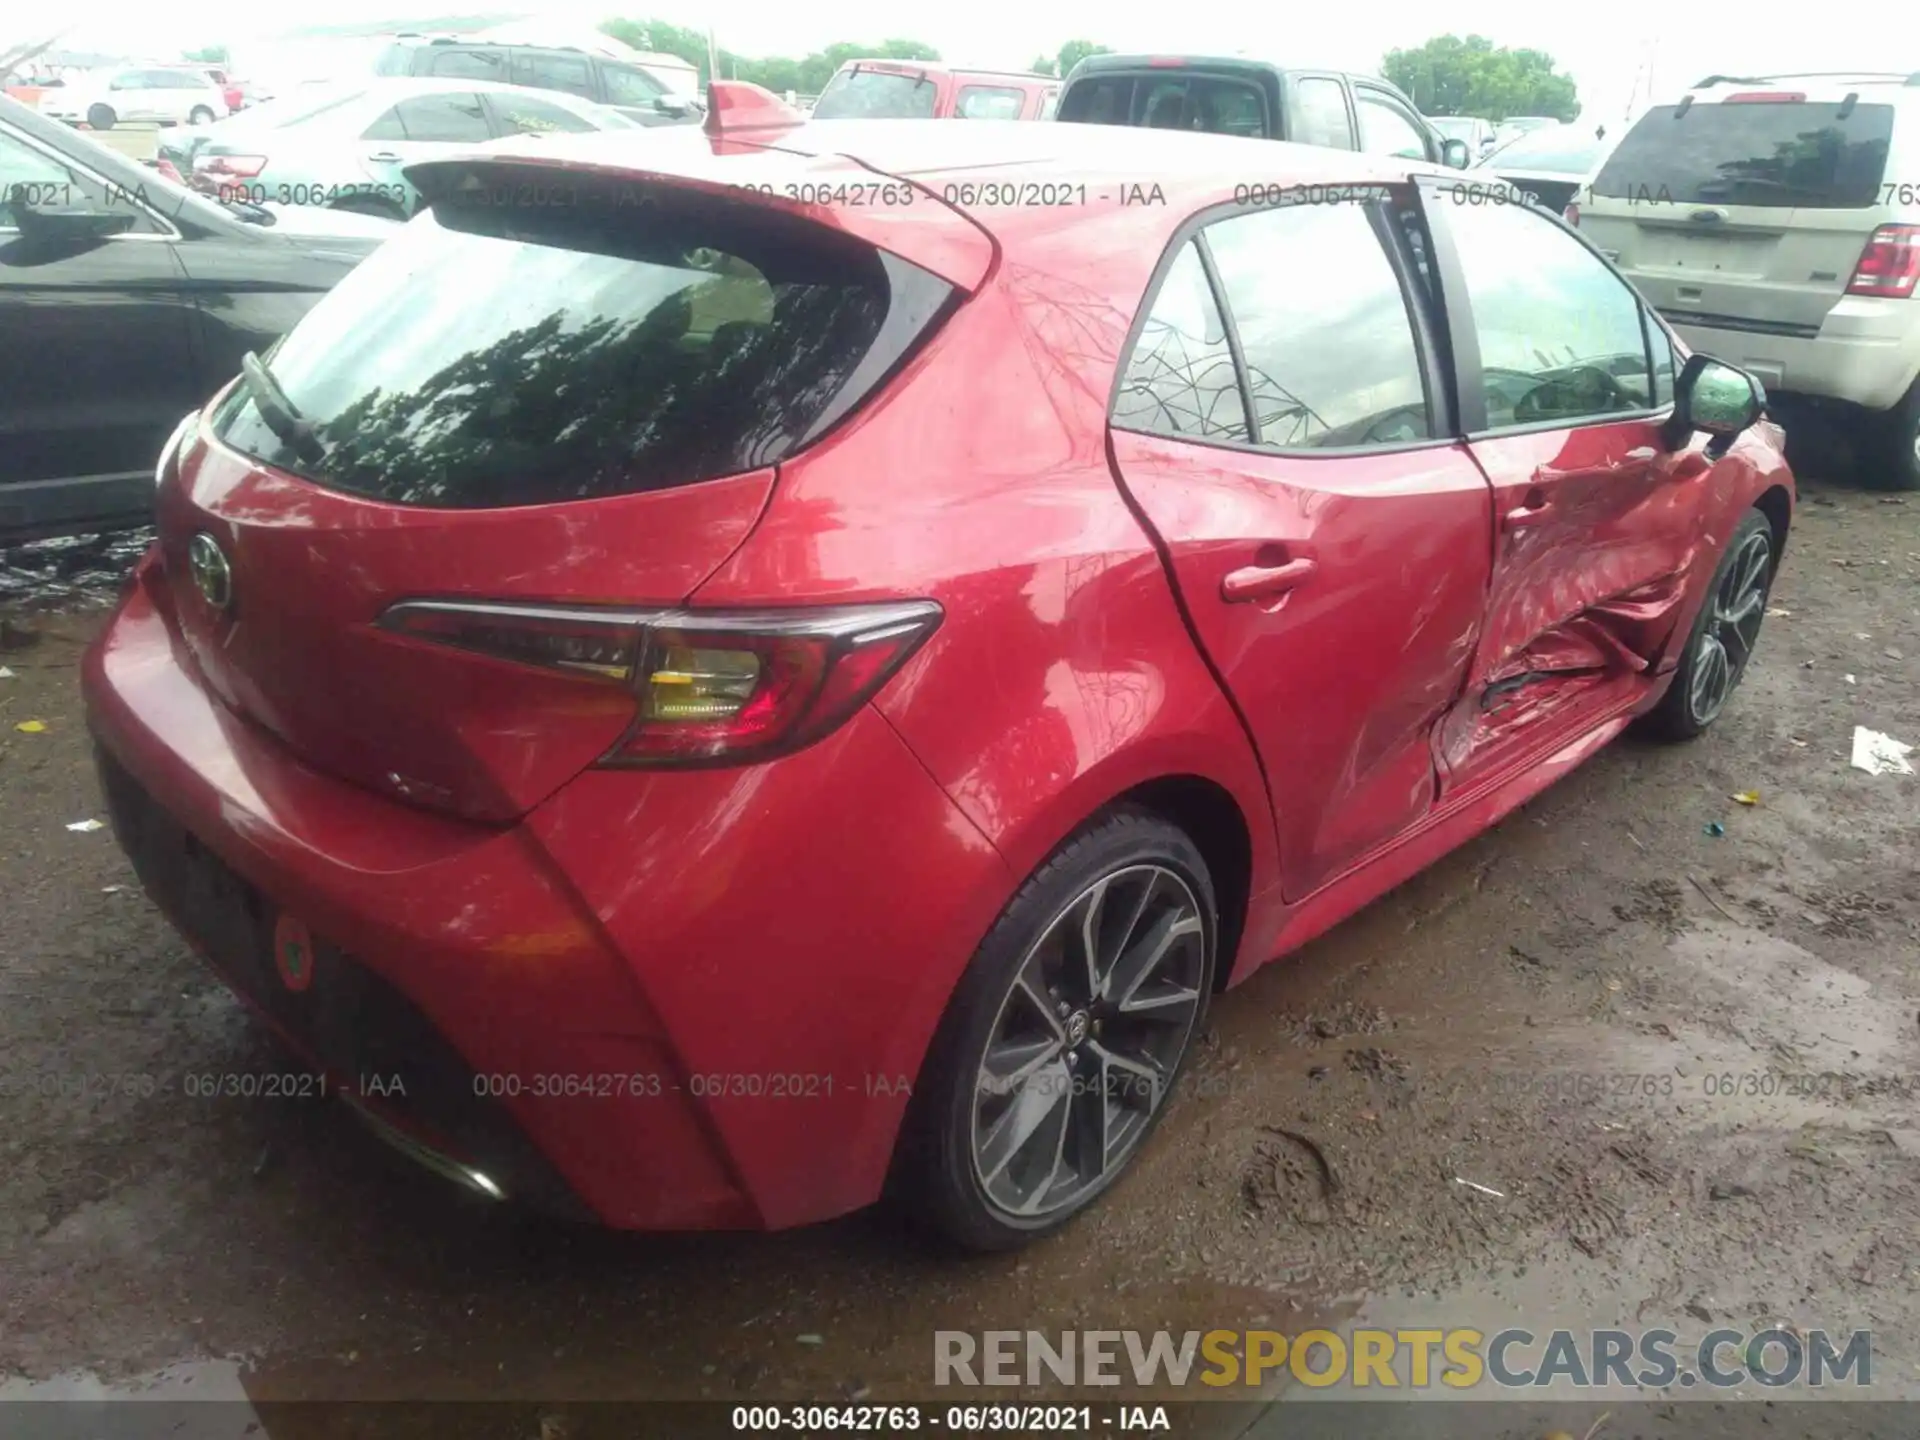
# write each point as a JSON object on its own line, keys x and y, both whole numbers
{"x": 166, "y": 94}
{"x": 619, "y": 537}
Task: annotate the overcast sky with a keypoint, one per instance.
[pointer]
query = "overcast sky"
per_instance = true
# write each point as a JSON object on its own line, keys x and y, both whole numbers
{"x": 1601, "y": 47}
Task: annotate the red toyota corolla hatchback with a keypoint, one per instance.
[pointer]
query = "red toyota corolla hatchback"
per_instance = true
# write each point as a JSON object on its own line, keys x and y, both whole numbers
{"x": 718, "y": 672}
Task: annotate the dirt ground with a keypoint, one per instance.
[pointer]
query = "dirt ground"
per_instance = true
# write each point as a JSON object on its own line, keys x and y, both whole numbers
{"x": 1687, "y": 1063}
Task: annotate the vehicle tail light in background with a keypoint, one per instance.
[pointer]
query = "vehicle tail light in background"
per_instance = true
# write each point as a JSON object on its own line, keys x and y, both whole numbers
{"x": 236, "y": 167}
{"x": 169, "y": 170}
{"x": 1572, "y": 214}
{"x": 1890, "y": 265}
{"x": 1766, "y": 97}
{"x": 712, "y": 687}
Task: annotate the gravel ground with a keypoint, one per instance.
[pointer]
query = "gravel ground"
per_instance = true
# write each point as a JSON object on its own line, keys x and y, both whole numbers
{"x": 1686, "y": 1063}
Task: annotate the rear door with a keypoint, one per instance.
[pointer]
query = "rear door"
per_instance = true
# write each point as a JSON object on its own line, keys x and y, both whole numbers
{"x": 419, "y": 128}
{"x": 1745, "y": 214}
{"x": 1564, "y": 385}
{"x": 1281, "y": 424}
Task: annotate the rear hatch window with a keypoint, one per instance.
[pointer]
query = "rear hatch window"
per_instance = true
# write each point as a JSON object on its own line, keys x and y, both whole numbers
{"x": 1786, "y": 155}
{"x": 877, "y": 95}
{"x": 1169, "y": 100}
{"x": 567, "y": 339}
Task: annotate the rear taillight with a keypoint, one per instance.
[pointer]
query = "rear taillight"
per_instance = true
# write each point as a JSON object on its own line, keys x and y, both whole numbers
{"x": 169, "y": 171}
{"x": 710, "y": 687}
{"x": 1890, "y": 265}
{"x": 1572, "y": 214}
{"x": 242, "y": 167}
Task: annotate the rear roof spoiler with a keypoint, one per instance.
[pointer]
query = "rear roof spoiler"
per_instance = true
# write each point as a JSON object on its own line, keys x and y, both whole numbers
{"x": 734, "y": 106}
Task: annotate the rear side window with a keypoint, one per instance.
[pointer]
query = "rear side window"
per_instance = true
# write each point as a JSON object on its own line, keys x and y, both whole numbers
{"x": 1786, "y": 155}
{"x": 1050, "y": 104}
{"x": 1101, "y": 100}
{"x": 452, "y": 118}
{"x": 471, "y": 64}
{"x": 544, "y": 70}
{"x": 627, "y": 86}
{"x": 989, "y": 102}
{"x": 626, "y": 341}
{"x": 1320, "y": 114}
{"x": 523, "y": 114}
{"x": 1180, "y": 379}
{"x": 1328, "y": 342}
{"x": 877, "y": 94}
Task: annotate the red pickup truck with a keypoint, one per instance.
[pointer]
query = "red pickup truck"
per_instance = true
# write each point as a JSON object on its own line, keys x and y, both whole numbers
{"x": 919, "y": 89}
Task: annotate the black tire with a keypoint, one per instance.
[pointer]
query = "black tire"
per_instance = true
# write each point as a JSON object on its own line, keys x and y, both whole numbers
{"x": 1896, "y": 466}
{"x": 1149, "y": 872}
{"x": 370, "y": 205}
{"x": 101, "y": 117}
{"x": 200, "y": 115}
{"x": 1699, "y": 692}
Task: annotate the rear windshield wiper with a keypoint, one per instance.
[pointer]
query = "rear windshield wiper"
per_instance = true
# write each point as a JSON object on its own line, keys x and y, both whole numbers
{"x": 279, "y": 413}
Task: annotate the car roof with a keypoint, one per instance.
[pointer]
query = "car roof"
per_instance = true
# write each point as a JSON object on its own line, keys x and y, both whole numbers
{"x": 937, "y": 67}
{"x": 1825, "y": 86}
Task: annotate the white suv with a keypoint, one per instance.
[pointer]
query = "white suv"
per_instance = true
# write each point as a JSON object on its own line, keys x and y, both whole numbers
{"x": 1775, "y": 222}
{"x": 172, "y": 95}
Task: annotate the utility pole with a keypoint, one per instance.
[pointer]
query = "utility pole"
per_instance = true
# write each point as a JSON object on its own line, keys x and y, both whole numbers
{"x": 713, "y": 57}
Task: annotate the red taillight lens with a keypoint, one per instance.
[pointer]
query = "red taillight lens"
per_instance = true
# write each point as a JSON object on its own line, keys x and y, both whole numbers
{"x": 1890, "y": 265}
{"x": 711, "y": 687}
{"x": 243, "y": 167}
{"x": 1572, "y": 214}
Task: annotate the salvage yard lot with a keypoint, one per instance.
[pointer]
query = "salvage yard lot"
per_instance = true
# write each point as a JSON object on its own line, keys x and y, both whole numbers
{"x": 1688, "y": 1064}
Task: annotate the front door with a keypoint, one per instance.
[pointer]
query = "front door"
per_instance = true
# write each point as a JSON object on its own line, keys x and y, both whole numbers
{"x": 1565, "y": 384}
{"x": 96, "y": 346}
{"x": 1282, "y": 426}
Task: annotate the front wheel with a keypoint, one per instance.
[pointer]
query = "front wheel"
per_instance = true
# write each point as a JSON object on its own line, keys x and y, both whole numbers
{"x": 1062, "y": 1044}
{"x": 100, "y": 117}
{"x": 200, "y": 115}
{"x": 1723, "y": 636}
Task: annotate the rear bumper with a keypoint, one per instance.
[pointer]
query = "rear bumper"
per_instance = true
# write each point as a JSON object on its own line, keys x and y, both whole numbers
{"x": 669, "y": 1001}
{"x": 1867, "y": 352}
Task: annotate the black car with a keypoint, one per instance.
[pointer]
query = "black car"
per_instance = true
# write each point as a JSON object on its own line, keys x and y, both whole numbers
{"x": 1230, "y": 95}
{"x": 125, "y": 302}
{"x": 616, "y": 84}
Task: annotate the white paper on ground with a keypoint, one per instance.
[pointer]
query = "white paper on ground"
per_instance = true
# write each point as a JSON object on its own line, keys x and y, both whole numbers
{"x": 1879, "y": 754}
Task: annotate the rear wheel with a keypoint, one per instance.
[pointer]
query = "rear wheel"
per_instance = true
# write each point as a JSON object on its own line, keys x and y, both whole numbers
{"x": 1062, "y": 1044}
{"x": 200, "y": 115}
{"x": 1898, "y": 466}
{"x": 1723, "y": 636}
{"x": 101, "y": 117}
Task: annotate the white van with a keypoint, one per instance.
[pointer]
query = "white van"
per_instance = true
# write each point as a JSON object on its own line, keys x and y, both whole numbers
{"x": 1775, "y": 222}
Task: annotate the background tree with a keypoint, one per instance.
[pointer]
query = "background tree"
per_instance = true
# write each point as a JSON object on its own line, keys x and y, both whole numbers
{"x": 208, "y": 55}
{"x": 1073, "y": 52}
{"x": 1451, "y": 76}
{"x": 805, "y": 75}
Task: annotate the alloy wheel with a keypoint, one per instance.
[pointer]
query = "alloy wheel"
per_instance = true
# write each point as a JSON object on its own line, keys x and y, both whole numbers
{"x": 1087, "y": 1041}
{"x": 1726, "y": 642}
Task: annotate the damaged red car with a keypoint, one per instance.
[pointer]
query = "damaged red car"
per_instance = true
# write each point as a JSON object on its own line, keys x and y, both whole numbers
{"x": 715, "y": 679}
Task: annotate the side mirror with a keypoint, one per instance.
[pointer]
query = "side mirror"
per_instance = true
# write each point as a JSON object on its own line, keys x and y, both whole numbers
{"x": 671, "y": 105}
{"x": 1453, "y": 154}
{"x": 67, "y": 230}
{"x": 1712, "y": 396}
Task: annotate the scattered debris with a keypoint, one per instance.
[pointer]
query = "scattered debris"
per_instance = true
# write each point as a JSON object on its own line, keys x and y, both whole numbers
{"x": 111, "y": 889}
{"x": 811, "y": 1339}
{"x": 1849, "y": 679}
{"x": 6, "y": 672}
{"x": 1713, "y": 828}
{"x": 1698, "y": 1312}
{"x": 1483, "y": 1189}
{"x": 1777, "y": 612}
{"x": 32, "y": 727}
{"x": 1893, "y": 654}
{"x": 1796, "y": 740}
{"x": 1700, "y": 885}
{"x": 85, "y": 827}
{"x": 1880, "y": 754}
{"x": 1728, "y": 1190}
{"x": 1746, "y": 797}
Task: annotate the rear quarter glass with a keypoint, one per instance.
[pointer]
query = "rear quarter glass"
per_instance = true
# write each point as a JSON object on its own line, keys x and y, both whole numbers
{"x": 576, "y": 338}
{"x": 1794, "y": 155}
